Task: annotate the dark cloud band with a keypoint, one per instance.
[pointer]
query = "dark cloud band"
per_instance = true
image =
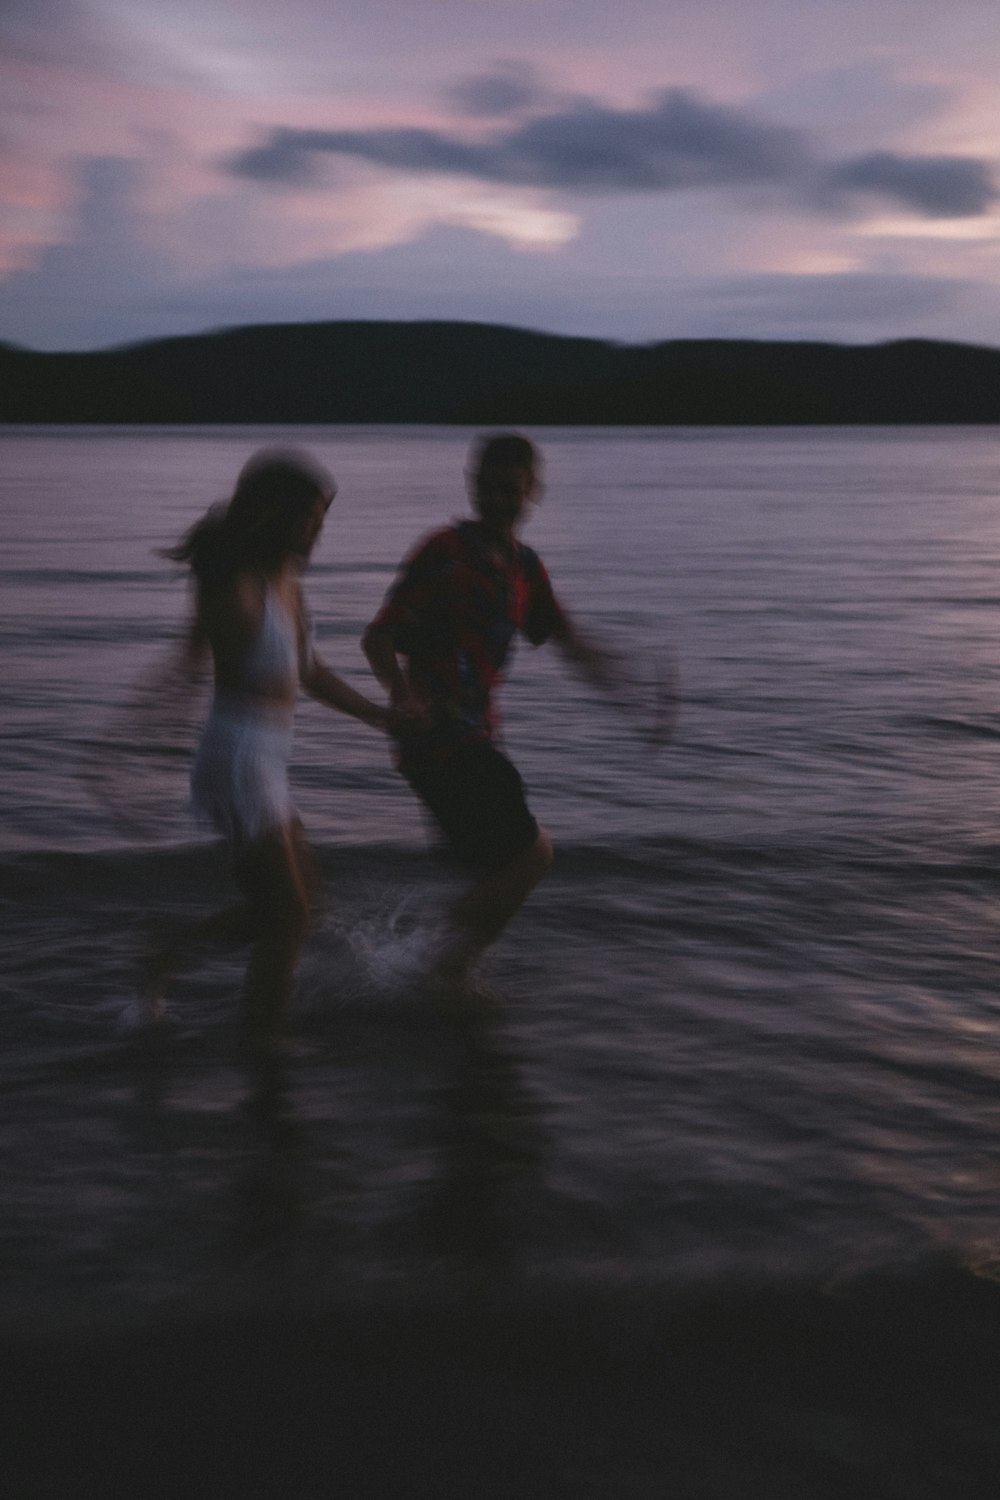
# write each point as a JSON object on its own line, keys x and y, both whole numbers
{"x": 505, "y": 89}
{"x": 940, "y": 187}
{"x": 679, "y": 142}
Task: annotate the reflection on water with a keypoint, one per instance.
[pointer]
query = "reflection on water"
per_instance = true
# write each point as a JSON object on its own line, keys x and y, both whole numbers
{"x": 248, "y": 1178}
{"x": 491, "y": 1147}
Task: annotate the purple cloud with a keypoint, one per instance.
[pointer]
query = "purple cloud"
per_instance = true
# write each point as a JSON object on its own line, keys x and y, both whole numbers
{"x": 507, "y": 88}
{"x": 940, "y": 187}
{"x": 678, "y": 142}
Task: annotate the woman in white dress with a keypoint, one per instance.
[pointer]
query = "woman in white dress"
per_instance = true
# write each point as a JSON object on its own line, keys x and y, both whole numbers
{"x": 246, "y": 557}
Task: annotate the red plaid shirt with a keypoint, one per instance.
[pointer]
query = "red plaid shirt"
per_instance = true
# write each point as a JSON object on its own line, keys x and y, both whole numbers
{"x": 453, "y": 611}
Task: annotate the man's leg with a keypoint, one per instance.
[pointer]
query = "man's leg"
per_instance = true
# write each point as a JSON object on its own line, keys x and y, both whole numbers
{"x": 482, "y": 913}
{"x": 477, "y": 799}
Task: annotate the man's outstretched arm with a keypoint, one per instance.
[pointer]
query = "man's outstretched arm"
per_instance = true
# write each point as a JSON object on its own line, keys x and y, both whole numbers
{"x": 585, "y": 656}
{"x": 646, "y": 692}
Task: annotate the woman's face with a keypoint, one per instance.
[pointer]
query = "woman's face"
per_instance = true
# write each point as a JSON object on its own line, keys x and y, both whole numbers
{"x": 310, "y": 527}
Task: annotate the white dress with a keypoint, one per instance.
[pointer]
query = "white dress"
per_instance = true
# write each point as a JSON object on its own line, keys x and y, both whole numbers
{"x": 239, "y": 780}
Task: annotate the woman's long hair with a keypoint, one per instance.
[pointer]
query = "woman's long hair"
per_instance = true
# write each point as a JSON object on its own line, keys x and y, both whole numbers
{"x": 258, "y": 527}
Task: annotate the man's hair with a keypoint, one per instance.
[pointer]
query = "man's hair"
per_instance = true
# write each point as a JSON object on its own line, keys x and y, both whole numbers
{"x": 508, "y": 450}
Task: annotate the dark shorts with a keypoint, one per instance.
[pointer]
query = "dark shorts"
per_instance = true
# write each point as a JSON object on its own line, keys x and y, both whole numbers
{"x": 476, "y": 798}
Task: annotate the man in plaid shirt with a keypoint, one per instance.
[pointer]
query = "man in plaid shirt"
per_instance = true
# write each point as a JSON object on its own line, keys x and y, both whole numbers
{"x": 451, "y": 615}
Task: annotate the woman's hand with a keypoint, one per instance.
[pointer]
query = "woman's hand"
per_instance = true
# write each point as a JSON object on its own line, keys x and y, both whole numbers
{"x": 406, "y": 712}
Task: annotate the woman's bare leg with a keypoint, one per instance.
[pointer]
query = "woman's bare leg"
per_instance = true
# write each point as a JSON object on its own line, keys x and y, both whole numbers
{"x": 275, "y": 873}
{"x": 177, "y": 942}
{"x": 278, "y": 878}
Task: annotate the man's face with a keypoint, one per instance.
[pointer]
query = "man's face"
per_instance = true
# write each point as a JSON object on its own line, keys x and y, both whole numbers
{"x": 503, "y": 494}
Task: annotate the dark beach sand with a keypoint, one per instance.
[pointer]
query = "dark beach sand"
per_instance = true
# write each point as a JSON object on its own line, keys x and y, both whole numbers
{"x": 885, "y": 1389}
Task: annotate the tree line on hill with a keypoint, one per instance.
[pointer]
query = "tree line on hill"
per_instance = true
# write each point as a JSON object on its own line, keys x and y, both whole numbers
{"x": 480, "y": 374}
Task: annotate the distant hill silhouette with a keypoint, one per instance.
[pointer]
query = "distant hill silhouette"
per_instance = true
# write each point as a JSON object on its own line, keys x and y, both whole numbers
{"x": 477, "y": 373}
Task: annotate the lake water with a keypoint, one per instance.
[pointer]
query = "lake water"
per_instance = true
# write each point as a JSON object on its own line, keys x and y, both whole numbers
{"x": 714, "y": 1201}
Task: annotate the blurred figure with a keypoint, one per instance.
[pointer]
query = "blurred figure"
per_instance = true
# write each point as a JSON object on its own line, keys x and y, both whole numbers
{"x": 452, "y": 614}
{"x": 246, "y": 556}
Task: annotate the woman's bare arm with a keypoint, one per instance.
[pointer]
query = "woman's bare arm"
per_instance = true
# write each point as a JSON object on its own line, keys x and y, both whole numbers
{"x": 324, "y": 685}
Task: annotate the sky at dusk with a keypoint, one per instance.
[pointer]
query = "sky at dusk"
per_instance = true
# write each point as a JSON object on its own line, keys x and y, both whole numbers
{"x": 791, "y": 169}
